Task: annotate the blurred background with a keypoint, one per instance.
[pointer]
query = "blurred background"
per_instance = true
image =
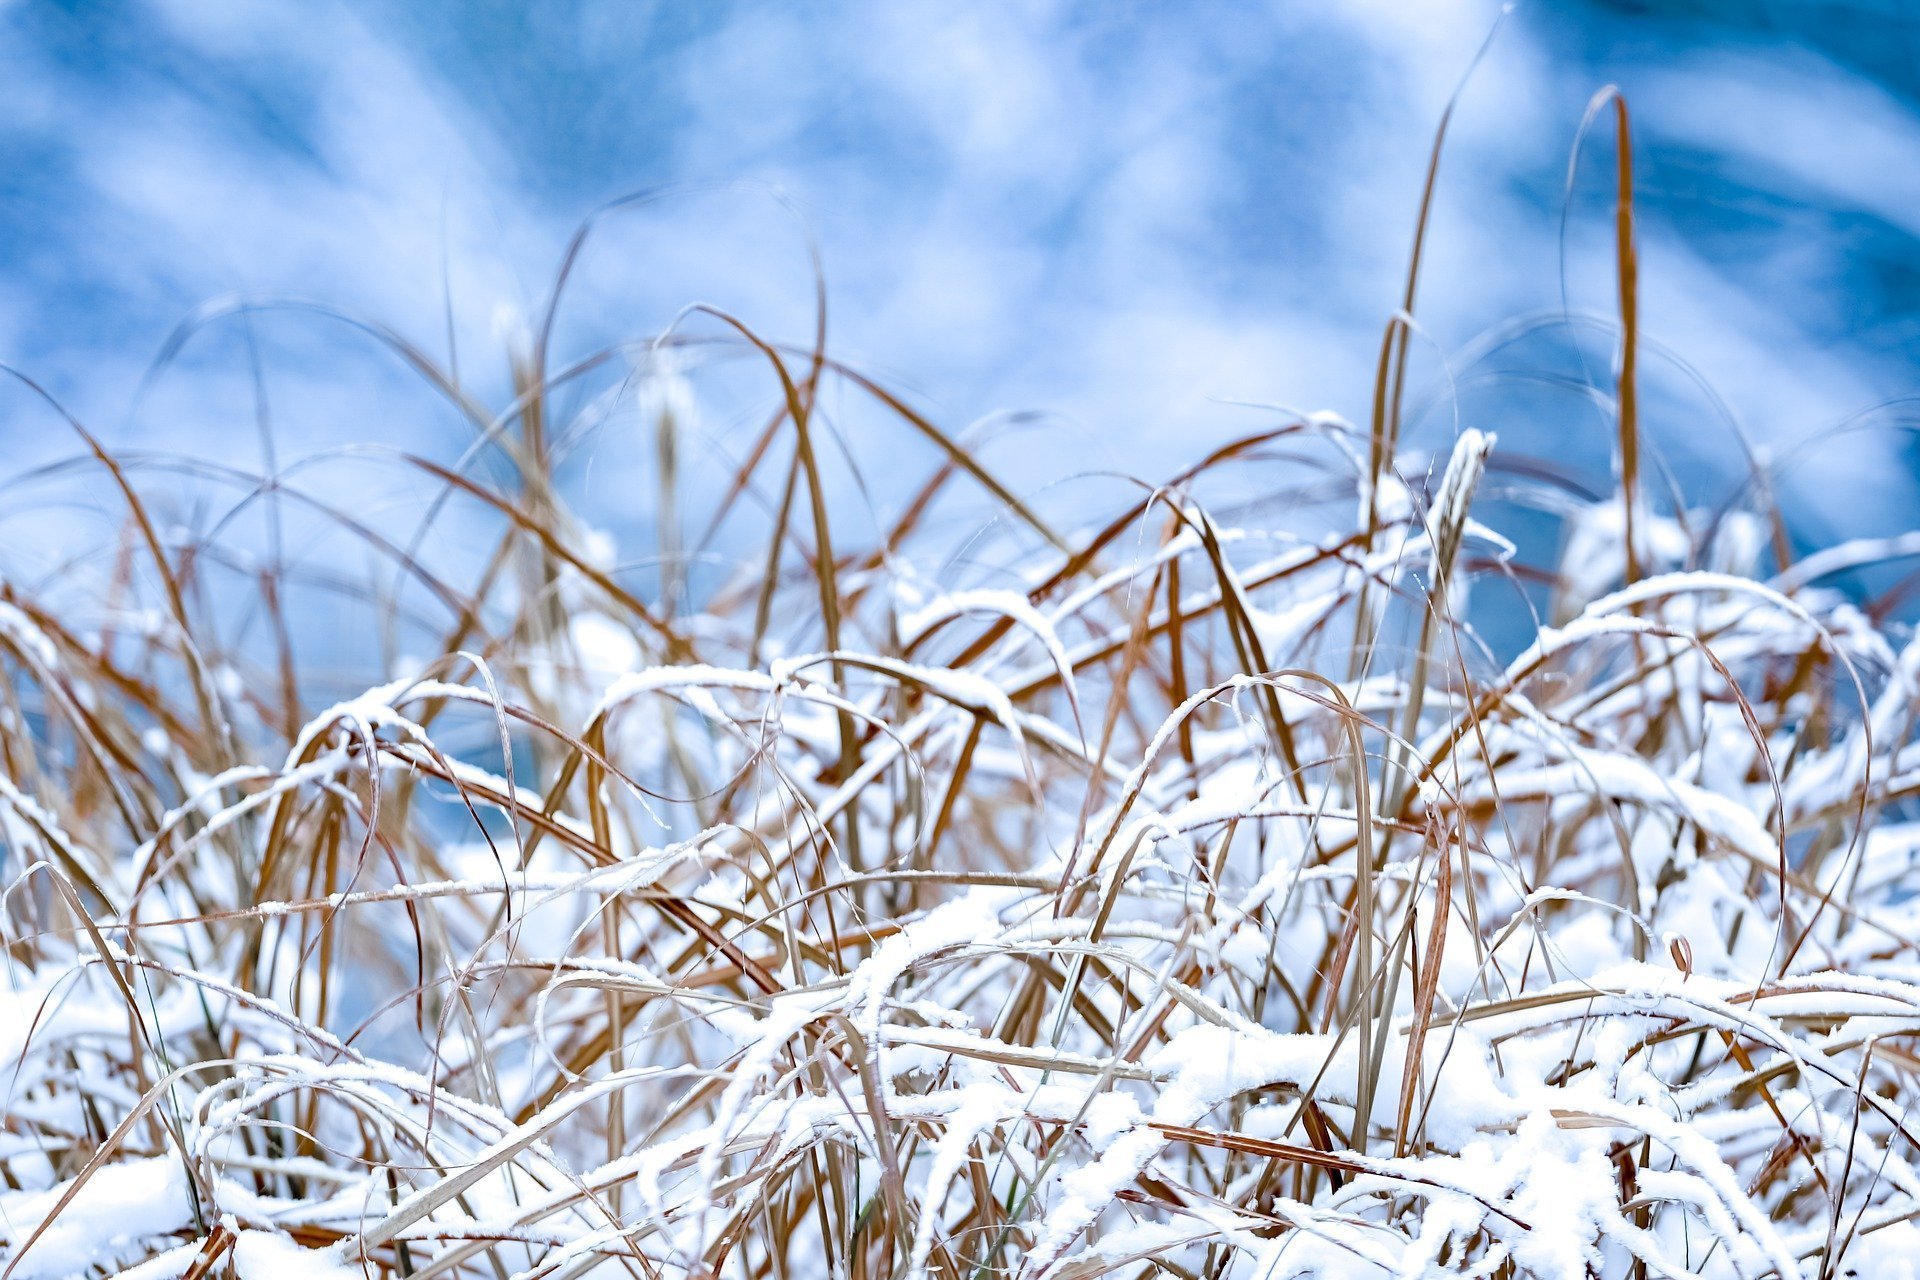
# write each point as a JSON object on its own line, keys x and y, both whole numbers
{"x": 1128, "y": 231}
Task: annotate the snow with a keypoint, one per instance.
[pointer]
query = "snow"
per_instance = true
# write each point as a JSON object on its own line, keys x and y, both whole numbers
{"x": 114, "y": 1212}
{"x": 263, "y": 1255}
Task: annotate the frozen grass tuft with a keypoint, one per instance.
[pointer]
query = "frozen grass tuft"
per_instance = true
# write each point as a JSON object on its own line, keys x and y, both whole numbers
{"x": 1190, "y": 891}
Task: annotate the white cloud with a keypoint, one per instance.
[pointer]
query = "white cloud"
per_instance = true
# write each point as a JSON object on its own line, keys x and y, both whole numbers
{"x": 1038, "y": 204}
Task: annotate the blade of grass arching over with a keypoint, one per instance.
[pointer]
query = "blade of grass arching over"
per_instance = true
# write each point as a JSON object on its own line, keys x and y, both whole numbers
{"x": 799, "y": 413}
{"x": 957, "y": 454}
{"x": 551, "y": 542}
{"x": 212, "y": 721}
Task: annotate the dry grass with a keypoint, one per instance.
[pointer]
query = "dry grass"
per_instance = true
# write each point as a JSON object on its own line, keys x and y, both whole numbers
{"x": 1192, "y": 892}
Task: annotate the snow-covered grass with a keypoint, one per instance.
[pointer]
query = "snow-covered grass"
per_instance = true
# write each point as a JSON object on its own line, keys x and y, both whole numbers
{"x": 1188, "y": 891}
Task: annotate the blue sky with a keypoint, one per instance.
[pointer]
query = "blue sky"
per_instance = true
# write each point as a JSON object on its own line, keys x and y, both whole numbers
{"x": 1133, "y": 218}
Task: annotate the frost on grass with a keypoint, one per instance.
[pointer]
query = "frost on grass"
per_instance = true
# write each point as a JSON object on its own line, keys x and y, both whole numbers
{"x": 1193, "y": 892}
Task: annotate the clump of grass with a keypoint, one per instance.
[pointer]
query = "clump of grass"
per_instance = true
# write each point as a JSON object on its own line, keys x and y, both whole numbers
{"x": 1192, "y": 891}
